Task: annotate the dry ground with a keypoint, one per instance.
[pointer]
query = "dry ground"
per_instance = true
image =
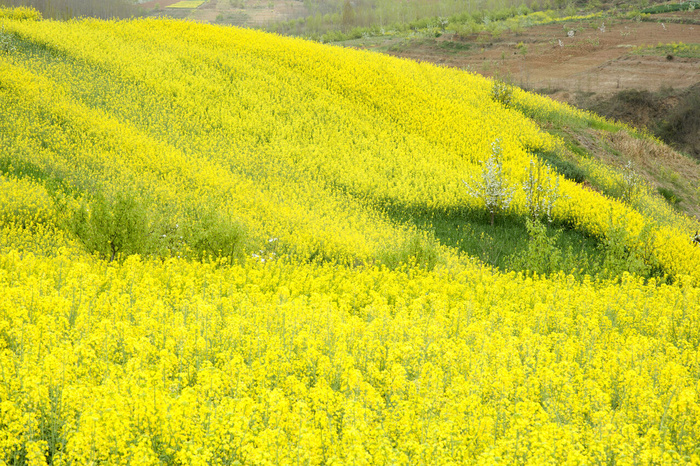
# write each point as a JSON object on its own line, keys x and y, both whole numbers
{"x": 590, "y": 61}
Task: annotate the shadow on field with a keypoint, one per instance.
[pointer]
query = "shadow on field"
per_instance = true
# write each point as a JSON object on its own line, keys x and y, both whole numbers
{"x": 507, "y": 243}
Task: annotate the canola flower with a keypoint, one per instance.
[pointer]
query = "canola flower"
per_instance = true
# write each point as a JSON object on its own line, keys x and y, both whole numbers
{"x": 183, "y": 363}
{"x": 334, "y": 360}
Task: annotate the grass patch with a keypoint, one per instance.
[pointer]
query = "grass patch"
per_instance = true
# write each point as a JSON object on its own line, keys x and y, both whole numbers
{"x": 187, "y": 4}
{"x": 668, "y": 8}
{"x": 566, "y": 168}
{"x": 603, "y": 125}
{"x": 671, "y": 50}
{"x": 670, "y": 196}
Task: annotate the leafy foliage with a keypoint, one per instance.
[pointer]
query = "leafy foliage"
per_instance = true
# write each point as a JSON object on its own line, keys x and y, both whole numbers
{"x": 541, "y": 191}
{"x": 6, "y": 42}
{"x": 112, "y": 227}
{"x": 503, "y": 93}
{"x": 492, "y": 189}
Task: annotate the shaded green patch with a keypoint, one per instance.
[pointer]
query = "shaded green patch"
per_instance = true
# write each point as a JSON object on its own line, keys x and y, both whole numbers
{"x": 670, "y": 7}
{"x": 53, "y": 181}
{"x": 506, "y": 242}
{"x": 670, "y": 196}
{"x": 567, "y": 168}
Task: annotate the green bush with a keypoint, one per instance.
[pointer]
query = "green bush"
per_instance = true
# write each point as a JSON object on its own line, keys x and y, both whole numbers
{"x": 214, "y": 235}
{"x": 623, "y": 253}
{"x": 118, "y": 227}
{"x": 7, "y": 44}
{"x": 503, "y": 93}
{"x": 112, "y": 227}
{"x": 542, "y": 255}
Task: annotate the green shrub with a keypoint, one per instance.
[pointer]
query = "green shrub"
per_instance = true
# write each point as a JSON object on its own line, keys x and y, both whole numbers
{"x": 542, "y": 255}
{"x": 623, "y": 253}
{"x": 118, "y": 227}
{"x": 112, "y": 227}
{"x": 619, "y": 257}
{"x": 212, "y": 234}
{"x": 503, "y": 93}
{"x": 7, "y": 44}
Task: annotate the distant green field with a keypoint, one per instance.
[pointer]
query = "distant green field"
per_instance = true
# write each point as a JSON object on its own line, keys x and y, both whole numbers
{"x": 187, "y": 4}
{"x": 671, "y": 7}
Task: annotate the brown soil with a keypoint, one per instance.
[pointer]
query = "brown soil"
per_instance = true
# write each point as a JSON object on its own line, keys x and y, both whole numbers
{"x": 590, "y": 61}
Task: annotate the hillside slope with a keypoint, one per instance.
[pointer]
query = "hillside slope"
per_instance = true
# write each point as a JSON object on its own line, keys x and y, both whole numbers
{"x": 220, "y": 127}
{"x": 209, "y": 253}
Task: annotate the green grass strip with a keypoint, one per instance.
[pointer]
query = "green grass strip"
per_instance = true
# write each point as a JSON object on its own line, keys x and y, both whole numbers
{"x": 187, "y": 4}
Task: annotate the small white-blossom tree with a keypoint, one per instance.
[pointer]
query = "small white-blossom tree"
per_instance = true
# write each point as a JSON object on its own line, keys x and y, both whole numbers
{"x": 631, "y": 186}
{"x": 541, "y": 190}
{"x": 492, "y": 188}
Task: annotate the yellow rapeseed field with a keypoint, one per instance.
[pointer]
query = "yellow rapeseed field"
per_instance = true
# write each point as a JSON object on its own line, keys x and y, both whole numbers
{"x": 331, "y": 333}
